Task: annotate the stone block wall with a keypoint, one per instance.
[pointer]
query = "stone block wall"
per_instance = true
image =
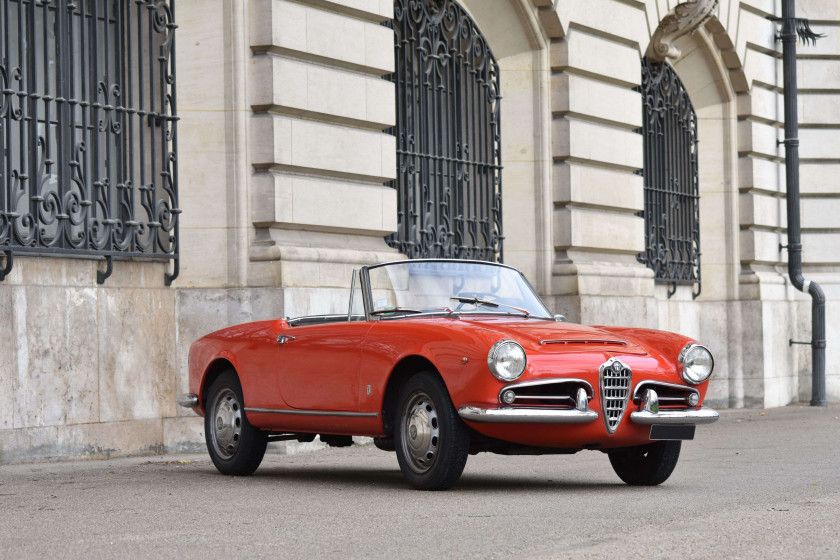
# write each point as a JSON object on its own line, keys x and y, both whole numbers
{"x": 819, "y": 131}
{"x": 783, "y": 312}
{"x": 86, "y": 370}
{"x": 595, "y": 154}
{"x": 319, "y": 157}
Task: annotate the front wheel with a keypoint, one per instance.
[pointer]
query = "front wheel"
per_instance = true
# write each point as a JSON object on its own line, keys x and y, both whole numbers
{"x": 432, "y": 442}
{"x": 646, "y": 465}
{"x": 235, "y": 446}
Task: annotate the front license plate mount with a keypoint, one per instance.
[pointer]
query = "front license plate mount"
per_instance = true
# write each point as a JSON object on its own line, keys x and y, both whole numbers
{"x": 672, "y": 432}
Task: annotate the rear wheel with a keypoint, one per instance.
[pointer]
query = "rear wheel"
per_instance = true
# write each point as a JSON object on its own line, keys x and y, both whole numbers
{"x": 432, "y": 443}
{"x": 235, "y": 446}
{"x": 646, "y": 465}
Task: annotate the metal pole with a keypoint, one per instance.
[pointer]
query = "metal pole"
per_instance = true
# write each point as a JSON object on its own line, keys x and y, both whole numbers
{"x": 794, "y": 247}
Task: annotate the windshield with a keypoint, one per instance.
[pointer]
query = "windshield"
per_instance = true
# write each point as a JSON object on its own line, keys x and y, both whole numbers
{"x": 406, "y": 288}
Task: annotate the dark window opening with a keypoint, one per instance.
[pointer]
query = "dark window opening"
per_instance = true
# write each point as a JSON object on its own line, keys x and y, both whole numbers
{"x": 671, "y": 186}
{"x": 449, "y": 168}
{"x": 88, "y": 129}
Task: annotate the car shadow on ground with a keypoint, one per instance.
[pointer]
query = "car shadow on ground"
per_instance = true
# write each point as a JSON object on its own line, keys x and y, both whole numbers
{"x": 387, "y": 479}
{"x": 511, "y": 482}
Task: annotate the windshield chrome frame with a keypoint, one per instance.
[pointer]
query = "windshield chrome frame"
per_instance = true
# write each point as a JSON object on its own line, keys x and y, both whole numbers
{"x": 368, "y": 296}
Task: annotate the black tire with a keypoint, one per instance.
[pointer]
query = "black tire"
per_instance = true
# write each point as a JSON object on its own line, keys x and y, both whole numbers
{"x": 646, "y": 465}
{"x": 431, "y": 440}
{"x": 235, "y": 446}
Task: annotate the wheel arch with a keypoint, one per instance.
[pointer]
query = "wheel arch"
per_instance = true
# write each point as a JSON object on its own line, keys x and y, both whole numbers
{"x": 400, "y": 374}
{"x": 214, "y": 370}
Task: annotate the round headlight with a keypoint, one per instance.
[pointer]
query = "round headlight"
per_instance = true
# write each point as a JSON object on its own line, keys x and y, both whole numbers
{"x": 506, "y": 360}
{"x": 697, "y": 362}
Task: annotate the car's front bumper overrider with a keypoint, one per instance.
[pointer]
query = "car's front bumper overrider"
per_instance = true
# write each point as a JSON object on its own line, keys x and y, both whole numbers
{"x": 521, "y": 415}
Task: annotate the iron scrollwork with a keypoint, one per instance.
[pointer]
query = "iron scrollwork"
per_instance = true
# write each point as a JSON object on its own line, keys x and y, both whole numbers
{"x": 671, "y": 185}
{"x": 88, "y": 130}
{"x": 448, "y": 134}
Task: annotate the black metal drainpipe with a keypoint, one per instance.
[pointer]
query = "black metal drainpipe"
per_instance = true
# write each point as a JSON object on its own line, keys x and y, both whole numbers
{"x": 794, "y": 247}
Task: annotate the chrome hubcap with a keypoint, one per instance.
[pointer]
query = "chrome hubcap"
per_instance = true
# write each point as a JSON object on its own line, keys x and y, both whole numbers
{"x": 421, "y": 432}
{"x": 228, "y": 423}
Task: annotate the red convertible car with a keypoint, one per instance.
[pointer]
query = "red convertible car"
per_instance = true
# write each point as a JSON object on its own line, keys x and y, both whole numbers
{"x": 441, "y": 359}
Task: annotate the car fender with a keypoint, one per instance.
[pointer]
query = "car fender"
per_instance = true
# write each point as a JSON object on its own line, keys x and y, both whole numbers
{"x": 460, "y": 358}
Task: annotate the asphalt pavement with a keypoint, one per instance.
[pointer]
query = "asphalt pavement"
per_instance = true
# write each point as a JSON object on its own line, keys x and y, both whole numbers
{"x": 757, "y": 484}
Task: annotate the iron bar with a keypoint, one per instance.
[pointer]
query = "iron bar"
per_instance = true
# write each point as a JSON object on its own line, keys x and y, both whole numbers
{"x": 790, "y": 28}
{"x": 7, "y": 265}
{"x": 73, "y": 74}
{"x": 448, "y": 140}
{"x": 5, "y": 131}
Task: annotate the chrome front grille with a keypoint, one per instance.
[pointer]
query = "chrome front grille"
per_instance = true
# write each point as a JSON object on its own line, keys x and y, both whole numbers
{"x": 554, "y": 392}
{"x": 615, "y": 380}
{"x": 670, "y": 394}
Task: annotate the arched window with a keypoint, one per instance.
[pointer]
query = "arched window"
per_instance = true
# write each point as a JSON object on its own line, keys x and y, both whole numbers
{"x": 672, "y": 197}
{"x": 448, "y": 138}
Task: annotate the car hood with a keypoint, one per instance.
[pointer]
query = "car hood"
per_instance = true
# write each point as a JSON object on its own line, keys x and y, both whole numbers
{"x": 550, "y": 336}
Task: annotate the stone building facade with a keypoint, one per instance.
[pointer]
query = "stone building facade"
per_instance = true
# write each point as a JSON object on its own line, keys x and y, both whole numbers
{"x": 286, "y": 159}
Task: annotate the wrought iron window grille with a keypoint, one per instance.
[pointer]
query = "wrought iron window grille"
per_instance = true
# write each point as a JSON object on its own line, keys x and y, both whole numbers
{"x": 449, "y": 172}
{"x": 88, "y": 130}
{"x": 671, "y": 181}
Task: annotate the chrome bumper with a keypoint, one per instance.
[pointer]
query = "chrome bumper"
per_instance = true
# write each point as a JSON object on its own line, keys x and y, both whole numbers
{"x": 648, "y": 418}
{"x": 188, "y": 400}
{"x": 517, "y": 415}
{"x": 652, "y": 415}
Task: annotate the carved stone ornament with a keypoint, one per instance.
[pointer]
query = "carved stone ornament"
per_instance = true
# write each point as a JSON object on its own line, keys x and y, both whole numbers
{"x": 682, "y": 20}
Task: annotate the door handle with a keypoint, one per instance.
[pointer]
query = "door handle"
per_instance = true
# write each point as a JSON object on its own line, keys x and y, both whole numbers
{"x": 283, "y": 339}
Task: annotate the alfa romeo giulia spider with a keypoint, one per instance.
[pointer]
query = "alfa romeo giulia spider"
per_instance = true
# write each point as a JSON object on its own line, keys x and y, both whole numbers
{"x": 438, "y": 360}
